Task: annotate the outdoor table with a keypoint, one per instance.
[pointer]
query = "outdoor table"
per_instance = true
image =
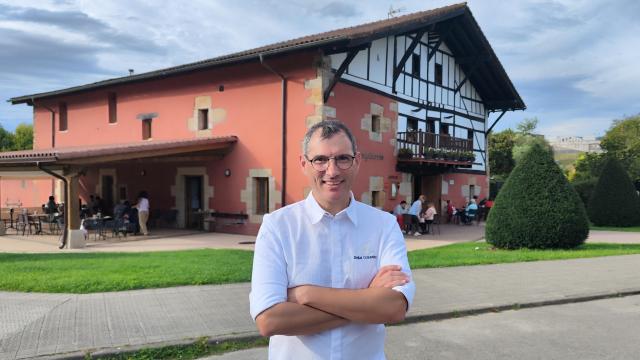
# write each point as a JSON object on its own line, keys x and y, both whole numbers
{"x": 37, "y": 220}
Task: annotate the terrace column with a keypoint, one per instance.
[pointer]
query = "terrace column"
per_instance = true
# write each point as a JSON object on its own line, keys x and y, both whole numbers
{"x": 72, "y": 213}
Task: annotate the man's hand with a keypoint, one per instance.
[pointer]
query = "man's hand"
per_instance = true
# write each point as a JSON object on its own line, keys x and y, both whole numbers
{"x": 389, "y": 276}
{"x": 295, "y": 294}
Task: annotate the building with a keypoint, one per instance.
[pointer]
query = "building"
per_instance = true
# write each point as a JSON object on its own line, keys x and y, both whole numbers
{"x": 576, "y": 143}
{"x": 224, "y": 135}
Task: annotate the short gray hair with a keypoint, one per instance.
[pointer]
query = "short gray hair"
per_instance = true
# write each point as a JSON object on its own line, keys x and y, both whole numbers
{"x": 329, "y": 129}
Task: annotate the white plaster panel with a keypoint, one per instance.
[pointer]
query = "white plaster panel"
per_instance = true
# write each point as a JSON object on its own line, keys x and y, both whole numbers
{"x": 358, "y": 66}
{"x": 377, "y": 63}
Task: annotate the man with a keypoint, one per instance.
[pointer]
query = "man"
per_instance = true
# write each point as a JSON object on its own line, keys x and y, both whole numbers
{"x": 329, "y": 271}
{"x": 414, "y": 211}
{"x": 400, "y": 208}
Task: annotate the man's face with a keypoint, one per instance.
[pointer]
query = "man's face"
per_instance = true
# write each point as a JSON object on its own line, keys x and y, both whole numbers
{"x": 330, "y": 187}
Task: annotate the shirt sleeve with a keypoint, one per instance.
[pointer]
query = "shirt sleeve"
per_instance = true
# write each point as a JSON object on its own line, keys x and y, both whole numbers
{"x": 269, "y": 279}
{"x": 394, "y": 252}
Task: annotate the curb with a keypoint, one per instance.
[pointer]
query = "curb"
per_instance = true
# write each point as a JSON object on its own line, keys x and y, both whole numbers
{"x": 254, "y": 335}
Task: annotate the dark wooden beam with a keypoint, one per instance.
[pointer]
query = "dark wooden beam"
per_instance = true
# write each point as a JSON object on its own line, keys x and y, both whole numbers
{"x": 444, "y": 31}
{"x": 343, "y": 67}
{"x": 495, "y": 122}
{"x": 398, "y": 68}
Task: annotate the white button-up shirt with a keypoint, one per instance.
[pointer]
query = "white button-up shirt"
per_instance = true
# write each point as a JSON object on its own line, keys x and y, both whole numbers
{"x": 301, "y": 244}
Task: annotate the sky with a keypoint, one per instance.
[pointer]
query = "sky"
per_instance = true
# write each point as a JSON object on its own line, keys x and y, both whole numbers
{"x": 574, "y": 62}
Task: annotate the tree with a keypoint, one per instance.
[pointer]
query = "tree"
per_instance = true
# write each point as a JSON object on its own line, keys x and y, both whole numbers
{"x": 622, "y": 141}
{"x": 527, "y": 126}
{"x": 23, "y": 138}
{"x": 537, "y": 207}
{"x": 6, "y": 140}
{"x": 614, "y": 201}
{"x": 501, "y": 153}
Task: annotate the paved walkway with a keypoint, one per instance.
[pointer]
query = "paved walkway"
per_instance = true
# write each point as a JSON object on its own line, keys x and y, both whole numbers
{"x": 178, "y": 239}
{"x": 33, "y": 325}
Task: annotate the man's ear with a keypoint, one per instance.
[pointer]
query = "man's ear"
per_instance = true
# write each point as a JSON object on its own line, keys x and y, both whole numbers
{"x": 303, "y": 161}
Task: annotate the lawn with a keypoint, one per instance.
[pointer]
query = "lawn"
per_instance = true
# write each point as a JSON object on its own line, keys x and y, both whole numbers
{"x": 612, "y": 228}
{"x": 99, "y": 272}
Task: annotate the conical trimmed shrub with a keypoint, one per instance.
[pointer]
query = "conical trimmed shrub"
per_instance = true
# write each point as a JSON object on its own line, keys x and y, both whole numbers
{"x": 614, "y": 201}
{"x": 537, "y": 208}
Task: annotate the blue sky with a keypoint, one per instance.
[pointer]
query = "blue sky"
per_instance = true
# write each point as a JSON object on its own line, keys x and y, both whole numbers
{"x": 574, "y": 62}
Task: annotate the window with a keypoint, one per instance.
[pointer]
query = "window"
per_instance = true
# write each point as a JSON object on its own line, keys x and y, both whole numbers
{"x": 62, "y": 119}
{"x": 438, "y": 74}
{"x": 431, "y": 125}
{"x": 444, "y": 129}
{"x": 376, "y": 200}
{"x": 415, "y": 65}
{"x": 113, "y": 109}
{"x": 261, "y": 187}
{"x": 146, "y": 129}
{"x": 469, "y": 134}
{"x": 412, "y": 124}
{"x": 203, "y": 119}
{"x": 375, "y": 123}
{"x": 394, "y": 190}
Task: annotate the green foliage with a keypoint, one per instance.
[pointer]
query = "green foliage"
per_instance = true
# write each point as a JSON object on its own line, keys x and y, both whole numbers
{"x": 527, "y": 126}
{"x": 23, "y": 138}
{"x": 584, "y": 188}
{"x": 536, "y": 207}
{"x": 525, "y": 142}
{"x": 614, "y": 201}
{"x": 501, "y": 152}
{"x": 405, "y": 153}
{"x": 6, "y": 140}
{"x": 622, "y": 141}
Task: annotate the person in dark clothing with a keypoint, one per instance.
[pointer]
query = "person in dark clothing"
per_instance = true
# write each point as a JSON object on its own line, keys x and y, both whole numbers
{"x": 51, "y": 207}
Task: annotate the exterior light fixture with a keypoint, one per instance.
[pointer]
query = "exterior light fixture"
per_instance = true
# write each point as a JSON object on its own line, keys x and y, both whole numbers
{"x": 227, "y": 172}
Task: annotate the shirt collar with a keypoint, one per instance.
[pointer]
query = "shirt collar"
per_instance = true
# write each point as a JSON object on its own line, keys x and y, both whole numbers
{"x": 316, "y": 213}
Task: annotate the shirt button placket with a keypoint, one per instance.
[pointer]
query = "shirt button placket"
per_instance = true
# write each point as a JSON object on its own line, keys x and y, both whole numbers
{"x": 336, "y": 280}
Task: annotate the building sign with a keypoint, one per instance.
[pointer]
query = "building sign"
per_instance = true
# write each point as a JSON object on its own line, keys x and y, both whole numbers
{"x": 372, "y": 156}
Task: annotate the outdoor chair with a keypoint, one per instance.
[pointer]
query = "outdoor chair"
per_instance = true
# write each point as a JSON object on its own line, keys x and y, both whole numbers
{"x": 470, "y": 215}
{"x": 407, "y": 223}
{"x": 435, "y": 224}
{"x": 22, "y": 223}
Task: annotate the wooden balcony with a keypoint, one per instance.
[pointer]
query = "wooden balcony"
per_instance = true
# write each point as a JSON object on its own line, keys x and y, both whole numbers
{"x": 429, "y": 153}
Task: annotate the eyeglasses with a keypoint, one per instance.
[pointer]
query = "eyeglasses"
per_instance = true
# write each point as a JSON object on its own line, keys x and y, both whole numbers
{"x": 321, "y": 162}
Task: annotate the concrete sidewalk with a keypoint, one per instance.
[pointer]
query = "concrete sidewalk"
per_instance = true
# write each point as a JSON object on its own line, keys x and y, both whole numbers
{"x": 34, "y": 325}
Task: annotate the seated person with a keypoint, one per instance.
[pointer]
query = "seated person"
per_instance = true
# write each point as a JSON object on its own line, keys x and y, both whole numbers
{"x": 470, "y": 212}
{"x": 51, "y": 207}
{"x": 429, "y": 216}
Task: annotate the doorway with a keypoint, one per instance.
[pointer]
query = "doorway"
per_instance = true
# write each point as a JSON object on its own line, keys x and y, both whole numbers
{"x": 107, "y": 194}
{"x": 193, "y": 202}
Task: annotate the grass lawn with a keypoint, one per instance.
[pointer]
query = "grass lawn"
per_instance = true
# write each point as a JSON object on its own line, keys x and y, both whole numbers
{"x": 98, "y": 272}
{"x": 479, "y": 253}
{"x": 612, "y": 228}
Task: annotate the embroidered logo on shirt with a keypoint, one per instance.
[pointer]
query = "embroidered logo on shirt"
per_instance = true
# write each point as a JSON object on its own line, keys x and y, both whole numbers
{"x": 364, "y": 257}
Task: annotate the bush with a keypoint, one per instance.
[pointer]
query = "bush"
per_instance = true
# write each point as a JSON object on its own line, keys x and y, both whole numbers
{"x": 537, "y": 207}
{"x": 614, "y": 201}
{"x": 405, "y": 153}
{"x": 584, "y": 188}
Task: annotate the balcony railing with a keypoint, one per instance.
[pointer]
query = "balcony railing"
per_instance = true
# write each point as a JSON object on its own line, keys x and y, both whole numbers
{"x": 419, "y": 141}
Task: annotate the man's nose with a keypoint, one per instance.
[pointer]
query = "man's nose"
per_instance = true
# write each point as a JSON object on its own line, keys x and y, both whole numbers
{"x": 332, "y": 167}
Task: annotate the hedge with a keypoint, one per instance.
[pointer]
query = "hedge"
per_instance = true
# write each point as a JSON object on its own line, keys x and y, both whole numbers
{"x": 614, "y": 201}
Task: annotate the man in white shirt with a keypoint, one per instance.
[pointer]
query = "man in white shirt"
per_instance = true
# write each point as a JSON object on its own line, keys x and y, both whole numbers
{"x": 414, "y": 211}
{"x": 329, "y": 271}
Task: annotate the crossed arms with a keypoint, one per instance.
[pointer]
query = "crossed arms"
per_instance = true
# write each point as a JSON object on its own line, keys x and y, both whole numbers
{"x": 311, "y": 309}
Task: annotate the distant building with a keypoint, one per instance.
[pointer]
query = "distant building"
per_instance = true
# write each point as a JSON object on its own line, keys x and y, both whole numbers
{"x": 578, "y": 143}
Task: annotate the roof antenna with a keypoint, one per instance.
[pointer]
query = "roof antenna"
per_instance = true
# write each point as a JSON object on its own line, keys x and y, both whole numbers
{"x": 130, "y": 72}
{"x": 392, "y": 12}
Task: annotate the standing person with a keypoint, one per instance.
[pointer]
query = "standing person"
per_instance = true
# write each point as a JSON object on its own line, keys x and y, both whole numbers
{"x": 414, "y": 211}
{"x": 143, "y": 211}
{"x": 329, "y": 271}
